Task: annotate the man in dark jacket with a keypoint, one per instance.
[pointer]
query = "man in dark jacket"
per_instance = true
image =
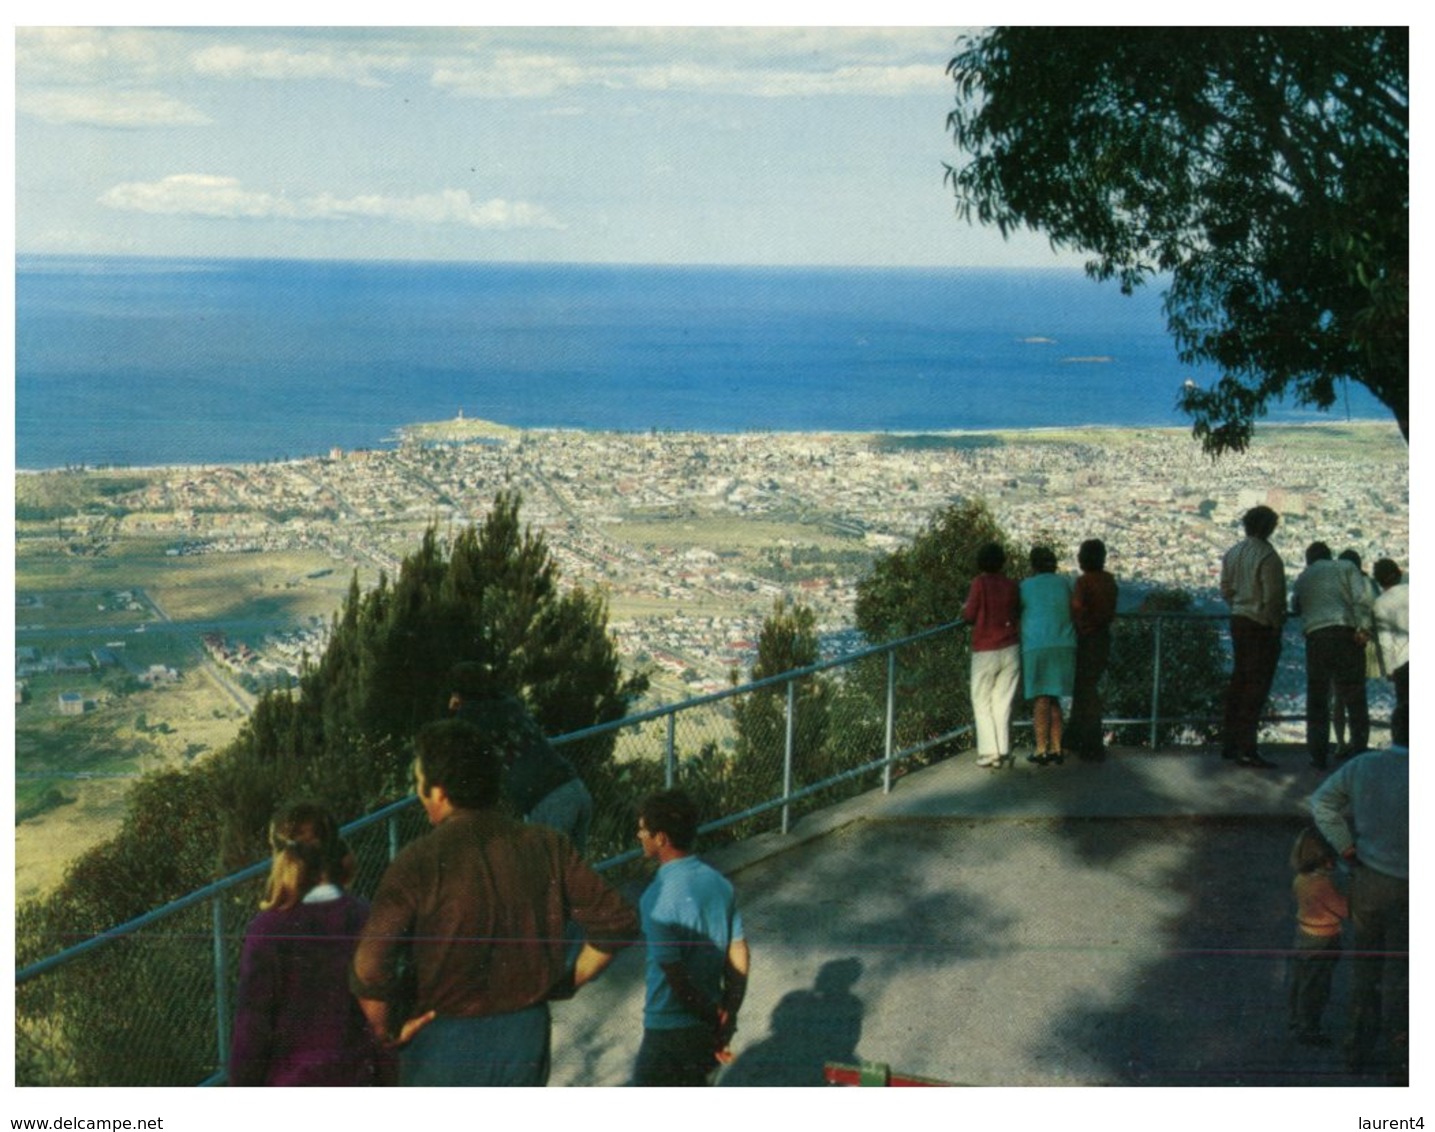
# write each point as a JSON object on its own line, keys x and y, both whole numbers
{"x": 480, "y": 904}
{"x": 538, "y": 782}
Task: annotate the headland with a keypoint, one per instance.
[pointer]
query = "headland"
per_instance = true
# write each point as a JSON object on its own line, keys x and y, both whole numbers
{"x": 168, "y": 597}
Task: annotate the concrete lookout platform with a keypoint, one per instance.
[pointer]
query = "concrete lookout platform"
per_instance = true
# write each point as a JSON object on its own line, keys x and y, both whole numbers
{"x": 1123, "y": 923}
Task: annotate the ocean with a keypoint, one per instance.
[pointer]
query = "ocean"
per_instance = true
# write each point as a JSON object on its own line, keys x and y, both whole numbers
{"x": 168, "y": 361}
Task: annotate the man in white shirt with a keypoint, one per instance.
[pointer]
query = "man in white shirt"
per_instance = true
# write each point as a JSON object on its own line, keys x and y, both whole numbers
{"x": 1363, "y": 810}
{"x": 1392, "y": 632}
{"x": 1253, "y": 582}
{"x": 1333, "y": 601}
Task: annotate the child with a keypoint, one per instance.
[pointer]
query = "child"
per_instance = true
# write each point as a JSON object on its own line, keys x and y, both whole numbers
{"x": 1320, "y": 907}
{"x": 295, "y": 1022}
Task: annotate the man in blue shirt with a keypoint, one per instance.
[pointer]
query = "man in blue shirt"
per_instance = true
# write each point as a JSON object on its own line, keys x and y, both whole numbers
{"x": 697, "y": 957}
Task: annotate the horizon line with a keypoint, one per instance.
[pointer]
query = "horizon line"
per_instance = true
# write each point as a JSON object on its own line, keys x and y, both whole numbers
{"x": 538, "y": 263}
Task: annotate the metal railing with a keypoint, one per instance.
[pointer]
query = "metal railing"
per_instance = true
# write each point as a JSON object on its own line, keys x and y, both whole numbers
{"x": 757, "y": 755}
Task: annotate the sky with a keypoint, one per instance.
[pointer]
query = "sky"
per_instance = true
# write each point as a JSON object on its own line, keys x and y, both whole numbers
{"x": 709, "y": 145}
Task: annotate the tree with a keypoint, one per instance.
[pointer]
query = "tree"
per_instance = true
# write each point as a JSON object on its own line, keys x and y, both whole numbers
{"x": 1265, "y": 170}
{"x": 1191, "y": 674}
{"x": 786, "y": 642}
{"x": 491, "y": 597}
{"x": 920, "y": 586}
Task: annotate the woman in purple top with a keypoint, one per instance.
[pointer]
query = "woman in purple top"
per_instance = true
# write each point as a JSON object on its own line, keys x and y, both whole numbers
{"x": 295, "y": 1022}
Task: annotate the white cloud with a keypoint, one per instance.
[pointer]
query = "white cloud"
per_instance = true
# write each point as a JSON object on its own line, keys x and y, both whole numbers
{"x": 112, "y": 109}
{"x": 451, "y": 206}
{"x": 88, "y": 54}
{"x": 511, "y": 74}
{"x": 503, "y": 62}
{"x": 197, "y": 194}
{"x": 758, "y": 62}
{"x": 238, "y": 61}
{"x": 218, "y": 197}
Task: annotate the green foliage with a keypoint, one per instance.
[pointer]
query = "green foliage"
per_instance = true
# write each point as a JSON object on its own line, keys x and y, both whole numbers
{"x": 51, "y": 798}
{"x": 787, "y": 641}
{"x": 491, "y": 597}
{"x": 920, "y": 586}
{"x": 1191, "y": 675}
{"x": 1264, "y": 170}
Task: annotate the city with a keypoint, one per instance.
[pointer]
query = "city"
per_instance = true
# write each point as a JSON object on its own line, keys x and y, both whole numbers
{"x": 236, "y": 571}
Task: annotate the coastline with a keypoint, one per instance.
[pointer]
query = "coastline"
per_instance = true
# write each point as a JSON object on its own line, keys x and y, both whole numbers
{"x": 438, "y": 432}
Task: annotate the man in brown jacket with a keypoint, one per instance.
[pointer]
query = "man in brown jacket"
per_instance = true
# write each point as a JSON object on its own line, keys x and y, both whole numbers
{"x": 480, "y": 902}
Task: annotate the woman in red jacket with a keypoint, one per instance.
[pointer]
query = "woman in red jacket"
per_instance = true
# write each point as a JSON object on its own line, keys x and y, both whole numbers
{"x": 992, "y": 609}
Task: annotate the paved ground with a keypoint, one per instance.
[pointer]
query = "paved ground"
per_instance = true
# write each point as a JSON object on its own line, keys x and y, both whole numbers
{"x": 1115, "y": 924}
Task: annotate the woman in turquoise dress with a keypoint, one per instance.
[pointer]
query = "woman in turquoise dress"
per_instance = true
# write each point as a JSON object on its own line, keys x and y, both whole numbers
{"x": 1048, "y": 651}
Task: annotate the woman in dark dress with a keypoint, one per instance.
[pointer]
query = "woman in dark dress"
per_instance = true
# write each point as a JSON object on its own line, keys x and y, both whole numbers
{"x": 1093, "y": 609}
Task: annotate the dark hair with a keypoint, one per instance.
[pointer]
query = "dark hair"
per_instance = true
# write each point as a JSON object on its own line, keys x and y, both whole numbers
{"x": 1350, "y": 556}
{"x": 1316, "y": 552}
{"x": 1260, "y": 521}
{"x": 1092, "y": 555}
{"x": 1043, "y": 560}
{"x": 991, "y": 558}
{"x": 674, "y": 813}
{"x": 468, "y": 678}
{"x": 454, "y": 754}
{"x": 508, "y": 730}
{"x": 1386, "y": 573}
{"x": 1311, "y": 851}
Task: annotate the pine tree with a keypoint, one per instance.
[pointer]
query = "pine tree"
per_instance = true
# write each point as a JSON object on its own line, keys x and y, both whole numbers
{"x": 786, "y": 642}
{"x": 921, "y": 586}
{"x": 492, "y": 597}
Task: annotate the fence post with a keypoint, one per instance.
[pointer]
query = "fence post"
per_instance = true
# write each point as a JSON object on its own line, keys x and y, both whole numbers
{"x": 1156, "y": 681}
{"x": 221, "y": 981}
{"x": 787, "y": 752}
{"x": 670, "y": 754}
{"x": 891, "y": 729}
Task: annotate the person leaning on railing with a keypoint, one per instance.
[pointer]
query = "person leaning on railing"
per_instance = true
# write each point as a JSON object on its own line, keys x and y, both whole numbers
{"x": 1333, "y": 601}
{"x": 1093, "y": 609}
{"x": 1048, "y": 652}
{"x": 993, "y": 610}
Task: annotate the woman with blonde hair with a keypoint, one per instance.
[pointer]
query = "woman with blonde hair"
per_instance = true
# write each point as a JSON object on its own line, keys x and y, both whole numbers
{"x": 295, "y": 1022}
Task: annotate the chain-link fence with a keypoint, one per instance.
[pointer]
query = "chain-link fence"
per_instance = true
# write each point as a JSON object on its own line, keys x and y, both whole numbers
{"x": 149, "y": 1002}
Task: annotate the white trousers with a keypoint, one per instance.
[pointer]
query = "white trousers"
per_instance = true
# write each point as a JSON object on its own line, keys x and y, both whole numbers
{"x": 995, "y": 676}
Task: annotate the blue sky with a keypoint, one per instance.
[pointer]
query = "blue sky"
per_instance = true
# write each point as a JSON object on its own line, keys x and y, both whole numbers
{"x": 752, "y": 145}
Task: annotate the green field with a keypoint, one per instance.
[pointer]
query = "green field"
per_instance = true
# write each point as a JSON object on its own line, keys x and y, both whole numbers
{"x": 728, "y": 535}
{"x": 85, "y": 538}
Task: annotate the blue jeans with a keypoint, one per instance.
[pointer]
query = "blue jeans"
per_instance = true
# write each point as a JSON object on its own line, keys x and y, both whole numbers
{"x": 495, "y": 1049}
{"x": 569, "y": 810}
